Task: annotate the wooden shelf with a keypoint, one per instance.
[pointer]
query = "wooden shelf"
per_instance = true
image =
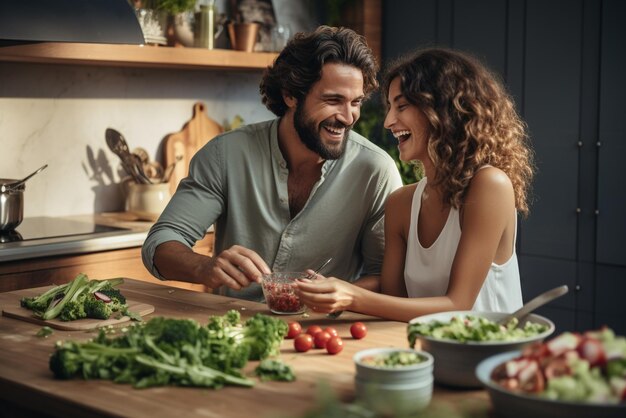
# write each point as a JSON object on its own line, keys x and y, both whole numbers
{"x": 136, "y": 56}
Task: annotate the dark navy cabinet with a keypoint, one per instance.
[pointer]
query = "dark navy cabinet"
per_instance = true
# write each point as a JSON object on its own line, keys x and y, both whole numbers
{"x": 564, "y": 61}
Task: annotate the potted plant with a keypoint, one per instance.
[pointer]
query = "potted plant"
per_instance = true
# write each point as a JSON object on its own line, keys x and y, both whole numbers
{"x": 167, "y": 21}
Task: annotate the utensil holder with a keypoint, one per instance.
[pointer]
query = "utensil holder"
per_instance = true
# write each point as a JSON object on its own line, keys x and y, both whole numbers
{"x": 147, "y": 201}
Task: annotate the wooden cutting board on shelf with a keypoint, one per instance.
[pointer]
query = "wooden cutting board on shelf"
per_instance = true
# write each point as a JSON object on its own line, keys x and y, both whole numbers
{"x": 199, "y": 130}
{"x": 14, "y": 310}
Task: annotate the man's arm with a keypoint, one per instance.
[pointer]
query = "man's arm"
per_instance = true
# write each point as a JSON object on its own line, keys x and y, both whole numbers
{"x": 235, "y": 267}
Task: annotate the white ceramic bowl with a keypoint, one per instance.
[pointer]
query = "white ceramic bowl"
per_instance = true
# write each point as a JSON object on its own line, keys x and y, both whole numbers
{"x": 393, "y": 390}
{"x": 455, "y": 362}
{"x": 280, "y": 294}
{"x": 509, "y": 404}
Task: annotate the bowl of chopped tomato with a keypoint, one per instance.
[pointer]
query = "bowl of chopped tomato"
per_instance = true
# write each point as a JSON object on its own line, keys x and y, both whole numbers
{"x": 573, "y": 375}
{"x": 280, "y": 291}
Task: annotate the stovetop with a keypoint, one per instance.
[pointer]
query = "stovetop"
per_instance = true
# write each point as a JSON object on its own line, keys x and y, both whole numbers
{"x": 47, "y": 227}
{"x": 48, "y": 236}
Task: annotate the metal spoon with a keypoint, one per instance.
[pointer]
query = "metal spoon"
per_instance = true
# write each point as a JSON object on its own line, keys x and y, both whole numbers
{"x": 538, "y": 301}
{"x": 332, "y": 315}
{"x": 324, "y": 264}
{"x": 14, "y": 185}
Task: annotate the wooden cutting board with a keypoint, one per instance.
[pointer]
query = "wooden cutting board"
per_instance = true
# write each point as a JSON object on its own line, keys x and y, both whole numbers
{"x": 199, "y": 130}
{"x": 16, "y": 311}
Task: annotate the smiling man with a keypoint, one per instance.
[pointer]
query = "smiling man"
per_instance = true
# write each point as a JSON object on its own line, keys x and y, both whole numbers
{"x": 288, "y": 193}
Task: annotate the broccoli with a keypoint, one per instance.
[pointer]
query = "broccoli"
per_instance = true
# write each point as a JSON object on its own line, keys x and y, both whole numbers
{"x": 73, "y": 310}
{"x": 75, "y": 300}
{"x": 40, "y": 303}
{"x": 44, "y": 332}
{"x": 91, "y": 360}
{"x": 75, "y": 288}
{"x": 118, "y": 301}
{"x": 167, "y": 351}
{"x": 270, "y": 369}
{"x": 263, "y": 334}
{"x": 95, "y": 308}
{"x": 159, "y": 352}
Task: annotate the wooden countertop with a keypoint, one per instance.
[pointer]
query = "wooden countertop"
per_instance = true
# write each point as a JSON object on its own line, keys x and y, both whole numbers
{"x": 27, "y": 384}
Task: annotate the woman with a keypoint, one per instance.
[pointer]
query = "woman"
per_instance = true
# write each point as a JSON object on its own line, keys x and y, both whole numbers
{"x": 450, "y": 238}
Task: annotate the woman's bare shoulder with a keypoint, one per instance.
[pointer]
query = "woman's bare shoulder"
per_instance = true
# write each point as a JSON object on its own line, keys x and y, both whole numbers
{"x": 490, "y": 185}
{"x": 402, "y": 196}
{"x": 489, "y": 177}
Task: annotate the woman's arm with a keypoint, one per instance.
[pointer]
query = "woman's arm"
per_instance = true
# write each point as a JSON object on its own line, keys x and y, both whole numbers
{"x": 488, "y": 217}
{"x": 488, "y": 229}
{"x": 397, "y": 223}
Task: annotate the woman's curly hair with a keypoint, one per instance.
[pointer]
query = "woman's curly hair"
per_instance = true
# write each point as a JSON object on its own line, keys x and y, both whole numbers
{"x": 299, "y": 65}
{"x": 473, "y": 121}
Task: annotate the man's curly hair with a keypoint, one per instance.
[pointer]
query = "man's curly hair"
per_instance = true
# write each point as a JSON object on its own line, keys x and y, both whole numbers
{"x": 299, "y": 65}
{"x": 473, "y": 121}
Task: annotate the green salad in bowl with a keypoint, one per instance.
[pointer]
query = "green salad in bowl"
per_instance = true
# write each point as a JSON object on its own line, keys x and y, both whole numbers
{"x": 459, "y": 340}
{"x": 472, "y": 327}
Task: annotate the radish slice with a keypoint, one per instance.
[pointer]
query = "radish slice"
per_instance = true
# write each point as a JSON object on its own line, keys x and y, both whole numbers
{"x": 101, "y": 296}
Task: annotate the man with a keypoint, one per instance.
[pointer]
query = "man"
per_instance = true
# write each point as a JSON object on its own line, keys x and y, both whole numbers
{"x": 289, "y": 193}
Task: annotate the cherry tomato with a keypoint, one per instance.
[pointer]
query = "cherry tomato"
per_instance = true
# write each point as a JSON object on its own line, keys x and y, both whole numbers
{"x": 294, "y": 330}
{"x": 334, "y": 345}
{"x": 303, "y": 342}
{"x": 321, "y": 338}
{"x": 313, "y": 329}
{"x": 358, "y": 330}
{"x": 332, "y": 331}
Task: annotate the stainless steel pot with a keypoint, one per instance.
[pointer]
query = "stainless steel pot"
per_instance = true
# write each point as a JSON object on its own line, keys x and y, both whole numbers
{"x": 11, "y": 206}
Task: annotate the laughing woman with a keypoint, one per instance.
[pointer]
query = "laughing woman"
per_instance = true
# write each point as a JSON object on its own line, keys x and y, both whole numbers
{"x": 450, "y": 238}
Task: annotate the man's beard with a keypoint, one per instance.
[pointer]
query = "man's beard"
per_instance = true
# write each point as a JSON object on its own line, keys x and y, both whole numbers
{"x": 309, "y": 135}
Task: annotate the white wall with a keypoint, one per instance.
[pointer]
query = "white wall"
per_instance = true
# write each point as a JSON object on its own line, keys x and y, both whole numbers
{"x": 58, "y": 114}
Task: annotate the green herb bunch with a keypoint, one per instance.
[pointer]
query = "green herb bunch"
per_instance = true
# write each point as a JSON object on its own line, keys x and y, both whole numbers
{"x": 167, "y": 351}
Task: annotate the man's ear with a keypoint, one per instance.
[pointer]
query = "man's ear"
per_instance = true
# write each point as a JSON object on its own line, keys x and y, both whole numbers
{"x": 290, "y": 101}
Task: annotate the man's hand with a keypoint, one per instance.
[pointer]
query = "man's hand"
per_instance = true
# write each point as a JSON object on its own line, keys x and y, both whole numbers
{"x": 235, "y": 267}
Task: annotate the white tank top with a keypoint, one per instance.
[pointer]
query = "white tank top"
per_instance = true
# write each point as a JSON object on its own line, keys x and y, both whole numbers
{"x": 427, "y": 270}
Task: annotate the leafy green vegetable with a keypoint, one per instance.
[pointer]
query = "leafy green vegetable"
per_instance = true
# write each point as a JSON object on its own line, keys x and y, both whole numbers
{"x": 464, "y": 328}
{"x": 40, "y": 303}
{"x": 76, "y": 300}
{"x": 270, "y": 369}
{"x": 167, "y": 351}
{"x": 44, "y": 332}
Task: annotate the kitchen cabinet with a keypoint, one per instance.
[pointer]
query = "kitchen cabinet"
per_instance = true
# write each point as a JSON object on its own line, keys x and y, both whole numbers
{"x": 119, "y": 262}
{"x": 136, "y": 56}
{"x": 563, "y": 61}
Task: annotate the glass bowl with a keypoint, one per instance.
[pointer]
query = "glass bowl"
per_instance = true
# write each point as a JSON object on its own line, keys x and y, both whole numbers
{"x": 280, "y": 292}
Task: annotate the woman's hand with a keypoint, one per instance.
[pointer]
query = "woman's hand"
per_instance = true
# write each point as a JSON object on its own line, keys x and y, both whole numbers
{"x": 326, "y": 294}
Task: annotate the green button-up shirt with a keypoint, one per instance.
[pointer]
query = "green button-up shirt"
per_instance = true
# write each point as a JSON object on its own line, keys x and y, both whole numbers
{"x": 238, "y": 182}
